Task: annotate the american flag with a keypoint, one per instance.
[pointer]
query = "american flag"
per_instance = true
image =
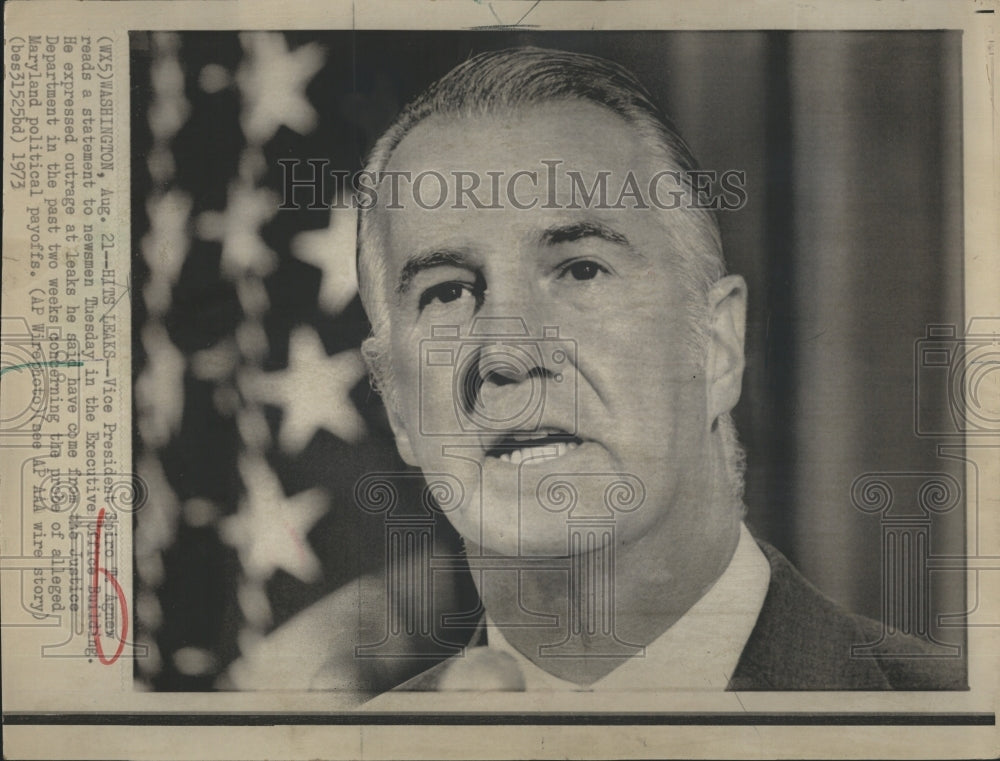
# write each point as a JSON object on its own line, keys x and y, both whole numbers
{"x": 254, "y": 417}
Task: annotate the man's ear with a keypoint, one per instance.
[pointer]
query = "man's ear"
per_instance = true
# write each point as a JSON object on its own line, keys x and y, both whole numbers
{"x": 401, "y": 435}
{"x": 727, "y": 305}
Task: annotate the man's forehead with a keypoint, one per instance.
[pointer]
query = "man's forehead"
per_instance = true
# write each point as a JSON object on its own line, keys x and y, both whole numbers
{"x": 558, "y": 167}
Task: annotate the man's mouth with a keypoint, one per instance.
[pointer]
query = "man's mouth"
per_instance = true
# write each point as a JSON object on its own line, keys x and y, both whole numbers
{"x": 547, "y": 444}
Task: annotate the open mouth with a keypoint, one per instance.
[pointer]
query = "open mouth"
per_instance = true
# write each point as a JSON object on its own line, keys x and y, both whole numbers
{"x": 515, "y": 448}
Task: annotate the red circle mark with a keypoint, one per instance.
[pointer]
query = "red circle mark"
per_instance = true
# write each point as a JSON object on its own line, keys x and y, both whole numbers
{"x": 122, "y": 603}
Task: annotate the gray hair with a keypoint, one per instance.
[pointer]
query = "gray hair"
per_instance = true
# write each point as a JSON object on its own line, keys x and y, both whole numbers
{"x": 515, "y": 79}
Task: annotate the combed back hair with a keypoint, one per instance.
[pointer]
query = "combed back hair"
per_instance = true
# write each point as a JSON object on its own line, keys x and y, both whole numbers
{"x": 514, "y": 80}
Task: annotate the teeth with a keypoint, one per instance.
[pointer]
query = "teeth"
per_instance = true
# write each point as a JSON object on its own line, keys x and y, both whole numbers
{"x": 541, "y": 433}
{"x": 547, "y": 452}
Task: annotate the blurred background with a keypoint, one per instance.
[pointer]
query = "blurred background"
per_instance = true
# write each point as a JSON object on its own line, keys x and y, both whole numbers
{"x": 255, "y": 566}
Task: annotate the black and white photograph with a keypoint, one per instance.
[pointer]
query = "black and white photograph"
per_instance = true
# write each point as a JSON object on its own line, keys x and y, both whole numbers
{"x": 499, "y": 379}
{"x": 546, "y": 361}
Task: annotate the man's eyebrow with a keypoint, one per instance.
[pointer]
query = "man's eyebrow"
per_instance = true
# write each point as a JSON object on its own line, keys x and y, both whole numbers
{"x": 426, "y": 260}
{"x": 587, "y": 229}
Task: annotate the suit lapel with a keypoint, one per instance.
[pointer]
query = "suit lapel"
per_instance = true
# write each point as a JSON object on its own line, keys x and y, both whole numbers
{"x": 802, "y": 640}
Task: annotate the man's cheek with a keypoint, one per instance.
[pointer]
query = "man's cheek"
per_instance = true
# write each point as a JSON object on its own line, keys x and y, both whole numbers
{"x": 408, "y": 394}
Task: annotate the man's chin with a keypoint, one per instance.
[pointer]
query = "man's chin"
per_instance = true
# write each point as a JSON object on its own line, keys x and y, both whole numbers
{"x": 504, "y": 545}
{"x": 507, "y": 530}
{"x": 527, "y": 508}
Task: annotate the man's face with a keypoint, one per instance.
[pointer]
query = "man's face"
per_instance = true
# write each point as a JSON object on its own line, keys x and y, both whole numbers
{"x": 614, "y": 392}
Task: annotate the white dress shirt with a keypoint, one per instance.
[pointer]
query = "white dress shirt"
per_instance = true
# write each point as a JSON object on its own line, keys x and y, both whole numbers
{"x": 699, "y": 652}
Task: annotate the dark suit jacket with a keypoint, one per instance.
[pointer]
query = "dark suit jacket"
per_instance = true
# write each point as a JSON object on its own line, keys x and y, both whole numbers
{"x": 802, "y": 641}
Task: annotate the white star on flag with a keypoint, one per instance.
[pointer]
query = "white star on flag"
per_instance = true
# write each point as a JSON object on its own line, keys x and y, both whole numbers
{"x": 269, "y": 530}
{"x": 159, "y": 389}
{"x": 314, "y": 391}
{"x": 170, "y": 108}
{"x": 274, "y": 85}
{"x": 254, "y": 606}
{"x": 332, "y": 250}
{"x": 238, "y": 229}
{"x": 215, "y": 363}
{"x": 165, "y": 247}
{"x": 156, "y": 522}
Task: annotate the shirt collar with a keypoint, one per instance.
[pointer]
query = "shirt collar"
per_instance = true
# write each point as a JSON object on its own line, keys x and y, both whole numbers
{"x": 699, "y": 652}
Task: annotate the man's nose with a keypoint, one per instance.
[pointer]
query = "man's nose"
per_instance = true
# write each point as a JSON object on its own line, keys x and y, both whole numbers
{"x": 513, "y": 326}
{"x": 509, "y": 384}
{"x": 509, "y": 329}
{"x": 503, "y": 364}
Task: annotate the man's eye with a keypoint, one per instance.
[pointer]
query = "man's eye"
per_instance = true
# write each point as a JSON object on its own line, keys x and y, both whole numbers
{"x": 444, "y": 293}
{"x": 583, "y": 269}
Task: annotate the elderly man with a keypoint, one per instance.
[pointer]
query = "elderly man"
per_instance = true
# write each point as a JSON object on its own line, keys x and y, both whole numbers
{"x": 552, "y": 325}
